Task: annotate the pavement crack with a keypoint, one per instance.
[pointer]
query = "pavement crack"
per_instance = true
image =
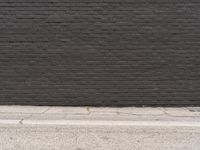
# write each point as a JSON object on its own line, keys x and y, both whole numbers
{"x": 21, "y": 121}
{"x": 88, "y": 110}
{"x": 25, "y": 118}
{"x": 166, "y": 113}
{"x": 46, "y": 110}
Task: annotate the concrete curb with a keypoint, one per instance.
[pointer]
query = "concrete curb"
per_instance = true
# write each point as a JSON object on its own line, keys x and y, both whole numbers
{"x": 101, "y": 123}
{"x": 91, "y": 116}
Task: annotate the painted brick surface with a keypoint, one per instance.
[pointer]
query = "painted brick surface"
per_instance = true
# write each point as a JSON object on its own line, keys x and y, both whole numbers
{"x": 100, "y": 52}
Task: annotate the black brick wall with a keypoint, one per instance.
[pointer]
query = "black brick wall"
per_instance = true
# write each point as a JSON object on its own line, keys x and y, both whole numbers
{"x": 100, "y": 52}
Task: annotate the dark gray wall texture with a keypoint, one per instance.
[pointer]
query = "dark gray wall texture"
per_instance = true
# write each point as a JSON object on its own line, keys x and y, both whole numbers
{"x": 100, "y": 52}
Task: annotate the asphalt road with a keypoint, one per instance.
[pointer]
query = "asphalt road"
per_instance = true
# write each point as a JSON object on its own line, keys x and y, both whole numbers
{"x": 23, "y": 137}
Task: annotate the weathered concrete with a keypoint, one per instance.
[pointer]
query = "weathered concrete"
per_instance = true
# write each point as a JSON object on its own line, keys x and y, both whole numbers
{"x": 98, "y": 138}
{"x": 93, "y": 116}
{"x": 88, "y": 128}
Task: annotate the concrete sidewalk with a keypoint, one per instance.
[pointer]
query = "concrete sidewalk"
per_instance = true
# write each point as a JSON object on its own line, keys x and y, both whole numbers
{"x": 132, "y": 116}
{"x": 88, "y": 128}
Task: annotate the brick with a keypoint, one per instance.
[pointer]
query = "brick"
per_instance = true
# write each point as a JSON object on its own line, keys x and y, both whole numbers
{"x": 100, "y": 52}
